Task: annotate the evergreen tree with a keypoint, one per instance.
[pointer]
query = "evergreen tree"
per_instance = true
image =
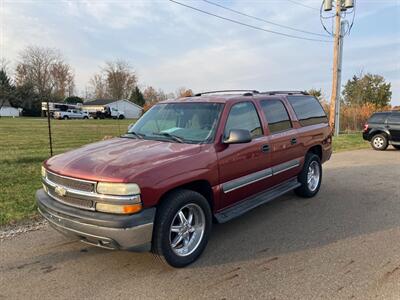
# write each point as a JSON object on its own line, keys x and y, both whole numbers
{"x": 7, "y": 89}
{"x": 137, "y": 97}
{"x": 73, "y": 100}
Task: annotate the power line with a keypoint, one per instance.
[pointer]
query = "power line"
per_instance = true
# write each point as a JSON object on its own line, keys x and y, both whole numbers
{"x": 263, "y": 20}
{"x": 302, "y": 4}
{"x": 248, "y": 25}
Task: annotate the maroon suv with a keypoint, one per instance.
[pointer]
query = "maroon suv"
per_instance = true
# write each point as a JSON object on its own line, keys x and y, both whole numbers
{"x": 184, "y": 164}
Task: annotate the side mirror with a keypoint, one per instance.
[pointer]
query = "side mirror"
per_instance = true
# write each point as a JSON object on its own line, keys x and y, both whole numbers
{"x": 238, "y": 136}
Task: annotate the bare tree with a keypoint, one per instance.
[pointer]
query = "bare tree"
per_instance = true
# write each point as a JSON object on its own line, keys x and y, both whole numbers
{"x": 183, "y": 92}
{"x": 98, "y": 87}
{"x": 44, "y": 69}
{"x": 63, "y": 80}
{"x": 150, "y": 95}
{"x": 120, "y": 79}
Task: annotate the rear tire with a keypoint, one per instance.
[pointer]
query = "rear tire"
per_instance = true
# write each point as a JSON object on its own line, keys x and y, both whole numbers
{"x": 65, "y": 118}
{"x": 179, "y": 240}
{"x": 121, "y": 117}
{"x": 379, "y": 142}
{"x": 310, "y": 177}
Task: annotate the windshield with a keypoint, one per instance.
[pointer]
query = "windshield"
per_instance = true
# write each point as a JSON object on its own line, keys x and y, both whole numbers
{"x": 179, "y": 122}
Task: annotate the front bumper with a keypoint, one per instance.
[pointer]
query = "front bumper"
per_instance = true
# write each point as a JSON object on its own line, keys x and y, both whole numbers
{"x": 131, "y": 232}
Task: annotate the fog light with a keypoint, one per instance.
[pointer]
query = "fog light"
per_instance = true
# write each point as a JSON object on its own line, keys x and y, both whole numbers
{"x": 118, "y": 209}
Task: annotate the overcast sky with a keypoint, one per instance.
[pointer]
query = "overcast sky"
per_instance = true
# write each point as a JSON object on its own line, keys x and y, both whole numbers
{"x": 170, "y": 46}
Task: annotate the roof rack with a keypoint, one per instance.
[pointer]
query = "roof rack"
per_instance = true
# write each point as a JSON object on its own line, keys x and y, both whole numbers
{"x": 244, "y": 92}
{"x": 285, "y": 92}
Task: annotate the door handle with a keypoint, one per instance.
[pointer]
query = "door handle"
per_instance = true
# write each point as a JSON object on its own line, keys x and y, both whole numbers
{"x": 265, "y": 148}
{"x": 293, "y": 141}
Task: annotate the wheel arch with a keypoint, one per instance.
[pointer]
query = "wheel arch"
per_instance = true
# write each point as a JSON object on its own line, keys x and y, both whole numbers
{"x": 317, "y": 150}
{"x": 376, "y": 131}
{"x": 201, "y": 186}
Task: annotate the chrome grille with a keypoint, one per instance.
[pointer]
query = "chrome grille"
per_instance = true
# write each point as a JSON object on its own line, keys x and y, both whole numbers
{"x": 73, "y": 201}
{"x": 71, "y": 183}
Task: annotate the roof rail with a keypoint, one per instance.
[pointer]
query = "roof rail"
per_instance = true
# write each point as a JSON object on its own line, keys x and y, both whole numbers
{"x": 244, "y": 92}
{"x": 285, "y": 92}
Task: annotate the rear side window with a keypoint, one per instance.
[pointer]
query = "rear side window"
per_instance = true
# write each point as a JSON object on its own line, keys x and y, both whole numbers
{"x": 308, "y": 110}
{"x": 243, "y": 115}
{"x": 276, "y": 115}
{"x": 378, "y": 118}
{"x": 394, "y": 118}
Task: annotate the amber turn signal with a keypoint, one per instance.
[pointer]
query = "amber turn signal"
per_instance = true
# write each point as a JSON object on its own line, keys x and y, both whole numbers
{"x": 119, "y": 209}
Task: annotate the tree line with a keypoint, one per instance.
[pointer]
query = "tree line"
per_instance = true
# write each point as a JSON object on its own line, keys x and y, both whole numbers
{"x": 43, "y": 74}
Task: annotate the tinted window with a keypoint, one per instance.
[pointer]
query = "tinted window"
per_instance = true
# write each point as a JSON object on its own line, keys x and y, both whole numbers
{"x": 243, "y": 116}
{"x": 394, "y": 118}
{"x": 276, "y": 115}
{"x": 378, "y": 118}
{"x": 308, "y": 110}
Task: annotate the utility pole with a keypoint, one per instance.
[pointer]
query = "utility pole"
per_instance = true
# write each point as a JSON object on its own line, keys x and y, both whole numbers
{"x": 340, "y": 32}
{"x": 339, "y": 78}
{"x": 336, "y": 55}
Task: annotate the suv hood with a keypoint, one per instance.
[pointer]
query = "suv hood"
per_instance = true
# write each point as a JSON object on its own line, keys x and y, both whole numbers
{"x": 118, "y": 159}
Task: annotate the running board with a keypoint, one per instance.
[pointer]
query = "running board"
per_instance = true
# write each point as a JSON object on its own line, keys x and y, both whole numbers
{"x": 253, "y": 201}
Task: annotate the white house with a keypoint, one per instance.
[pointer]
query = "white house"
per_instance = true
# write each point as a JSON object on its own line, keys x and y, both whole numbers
{"x": 8, "y": 111}
{"x": 130, "y": 109}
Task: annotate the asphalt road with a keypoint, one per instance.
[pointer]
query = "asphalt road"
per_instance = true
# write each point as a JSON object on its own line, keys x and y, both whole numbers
{"x": 343, "y": 244}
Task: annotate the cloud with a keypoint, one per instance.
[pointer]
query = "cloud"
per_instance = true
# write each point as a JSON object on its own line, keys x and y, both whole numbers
{"x": 171, "y": 46}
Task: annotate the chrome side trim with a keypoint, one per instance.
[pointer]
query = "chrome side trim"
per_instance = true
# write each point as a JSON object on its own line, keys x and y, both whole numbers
{"x": 285, "y": 166}
{"x": 246, "y": 180}
{"x": 133, "y": 199}
{"x": 240, "y": 182}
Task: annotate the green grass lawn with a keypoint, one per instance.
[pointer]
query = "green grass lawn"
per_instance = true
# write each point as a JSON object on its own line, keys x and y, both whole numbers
{"x": 24, "y": 146}
{"x": 350, "y": 141}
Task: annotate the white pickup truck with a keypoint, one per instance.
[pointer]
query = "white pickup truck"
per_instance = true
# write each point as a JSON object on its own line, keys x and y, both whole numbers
{"x": 71, "y": 114}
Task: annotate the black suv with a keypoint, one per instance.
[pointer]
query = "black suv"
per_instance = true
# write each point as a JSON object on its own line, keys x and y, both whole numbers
{"x": 382, "y": 129}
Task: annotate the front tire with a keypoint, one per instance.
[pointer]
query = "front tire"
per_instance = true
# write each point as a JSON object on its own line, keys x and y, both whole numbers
{"x": 310, "y": 177}
{"x": 379, "y": 142}
{"x": 182, "y": 228}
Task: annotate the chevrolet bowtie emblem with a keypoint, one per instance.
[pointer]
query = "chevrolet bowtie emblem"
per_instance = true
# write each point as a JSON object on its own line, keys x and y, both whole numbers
{"x": 60, "y": 191}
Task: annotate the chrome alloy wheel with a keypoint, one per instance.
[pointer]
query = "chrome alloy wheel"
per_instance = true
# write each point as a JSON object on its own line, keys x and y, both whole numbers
{"x": 378, "y": 142}
{"x": 313, "y": 176}
{"x": 187, "y": 229}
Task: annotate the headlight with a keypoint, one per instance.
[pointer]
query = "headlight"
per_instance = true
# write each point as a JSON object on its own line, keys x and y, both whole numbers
{"x": 119, "y": 189}
{"x": 44, "y": 172}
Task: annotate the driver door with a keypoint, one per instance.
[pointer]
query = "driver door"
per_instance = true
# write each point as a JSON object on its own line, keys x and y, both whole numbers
{"x": 244, "y": 168}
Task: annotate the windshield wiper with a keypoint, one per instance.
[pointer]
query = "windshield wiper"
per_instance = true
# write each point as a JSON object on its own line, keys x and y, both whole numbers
{"x": 136, "y": 134}
{"x": 170, "y": 135}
